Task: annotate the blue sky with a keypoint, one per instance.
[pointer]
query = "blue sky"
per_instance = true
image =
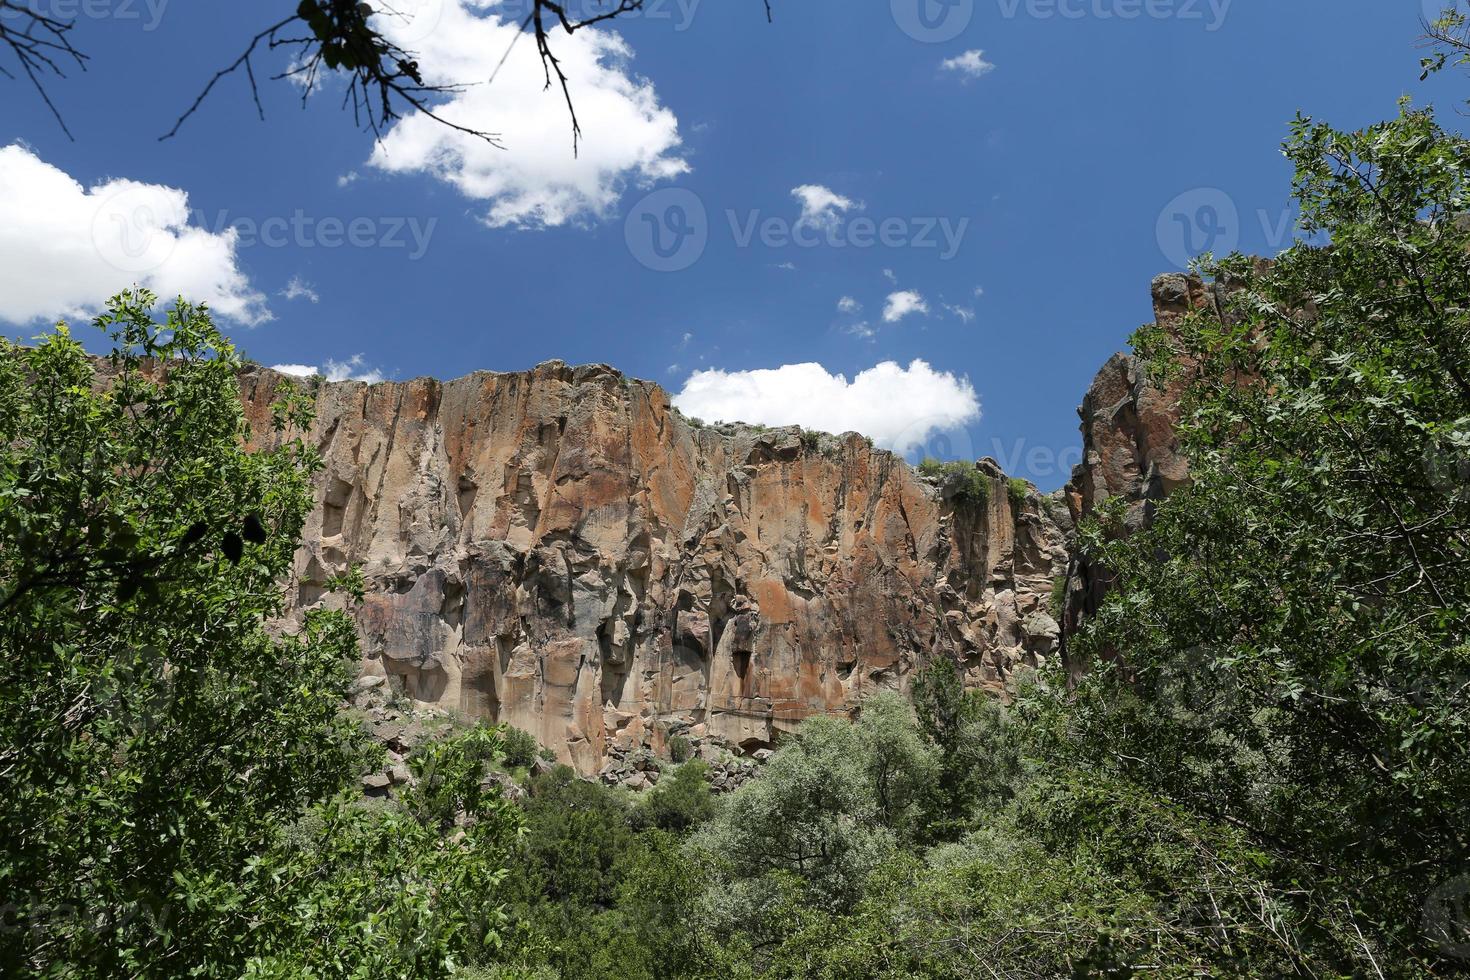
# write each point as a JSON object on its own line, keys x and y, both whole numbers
{"x": 1053, "y": 154}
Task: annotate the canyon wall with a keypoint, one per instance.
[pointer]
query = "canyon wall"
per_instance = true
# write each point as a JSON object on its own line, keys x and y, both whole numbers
{"x": 1129, "y": 446}
{"x": 560, "y": 550}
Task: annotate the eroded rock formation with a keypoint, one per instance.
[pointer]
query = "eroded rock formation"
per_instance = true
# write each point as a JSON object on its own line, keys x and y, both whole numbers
{"x": 559, "y": 549}
{"x": 1130, "y": 449}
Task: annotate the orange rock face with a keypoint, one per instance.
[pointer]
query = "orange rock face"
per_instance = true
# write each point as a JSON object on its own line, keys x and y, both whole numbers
{"x": 559, "y": 549}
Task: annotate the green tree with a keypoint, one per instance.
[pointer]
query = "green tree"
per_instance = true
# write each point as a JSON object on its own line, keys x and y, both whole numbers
{"x": 681, "y": 801}
{"x": 977, "y": 750}
{"x": 1291, "y": 629}
{"x": 829, "y": 808}
{"x": 158, "y": 742}
{"x": 518, "y": 747}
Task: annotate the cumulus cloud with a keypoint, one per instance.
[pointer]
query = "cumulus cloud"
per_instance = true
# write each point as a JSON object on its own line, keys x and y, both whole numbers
{"x": 352, "y": 369}
{"x": 898, "y": 407}
{"x": 821, "y": 207}
{"x": 65, "y": 248}
{"x": 848, "y": 305}
{"x": 903, "y": 303}
{"x": 535, "y": 181}
{"x": 970, "y": 65}
{"x": 299, "y": 288}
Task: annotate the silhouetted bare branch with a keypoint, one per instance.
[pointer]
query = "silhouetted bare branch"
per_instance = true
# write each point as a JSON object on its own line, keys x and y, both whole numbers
{"x": 337, "y": 35}
{"x": 41, "y": 45}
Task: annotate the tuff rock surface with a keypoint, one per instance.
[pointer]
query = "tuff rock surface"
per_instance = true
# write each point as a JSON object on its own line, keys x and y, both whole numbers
{"x": 1130, "y": 448}
{"x": 560, "y": 550}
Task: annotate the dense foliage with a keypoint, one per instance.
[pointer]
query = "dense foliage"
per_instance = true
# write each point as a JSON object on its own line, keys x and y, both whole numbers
{"x": 1294, "y": 623}
{"x": 179, "y": 783}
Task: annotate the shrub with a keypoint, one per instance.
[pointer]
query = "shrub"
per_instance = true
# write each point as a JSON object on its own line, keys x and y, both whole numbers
{"x": 679, "y": 748}
{"x": 970, "y": 485}
{"x": 1057, "y": 606}
{"x": 1018, "y": 489}
{"x": 680, "y": 802}
{"x": 520, "y": 748}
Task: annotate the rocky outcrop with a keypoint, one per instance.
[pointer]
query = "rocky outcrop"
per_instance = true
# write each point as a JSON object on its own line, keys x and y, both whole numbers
{"x": 1130, "y": 449}
{"x": 559, "y": 549}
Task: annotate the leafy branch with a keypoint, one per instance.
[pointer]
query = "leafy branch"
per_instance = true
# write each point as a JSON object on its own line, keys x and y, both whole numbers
{"x": 1450, "y": 34}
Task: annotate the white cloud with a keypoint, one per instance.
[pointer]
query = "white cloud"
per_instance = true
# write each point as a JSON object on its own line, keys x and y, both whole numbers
{"x": 863, "y": 330}
{"x": 970, "y": 65}
{"x": 332, "y": 370}
{"x": 965, "y": 313}
{"x": 347, "y": 179}
{"x": 979, "y": 291}
{"x": 898, "y": 407}
{"x": 535, "y": 181}
{"x": 299, "y": 288}
{"x": 891, "y": 276}
{"x": 821, "y": 207}
{"x": 903, "y": 303}
{"x": 787, "y": 266}
{"x": 65, "y": 248}
{"x": 848, "y": 305}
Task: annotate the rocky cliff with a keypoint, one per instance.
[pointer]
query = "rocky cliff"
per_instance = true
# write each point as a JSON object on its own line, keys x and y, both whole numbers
{"x": 559, "y": 549}
{"x": 1129, "y": 445}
